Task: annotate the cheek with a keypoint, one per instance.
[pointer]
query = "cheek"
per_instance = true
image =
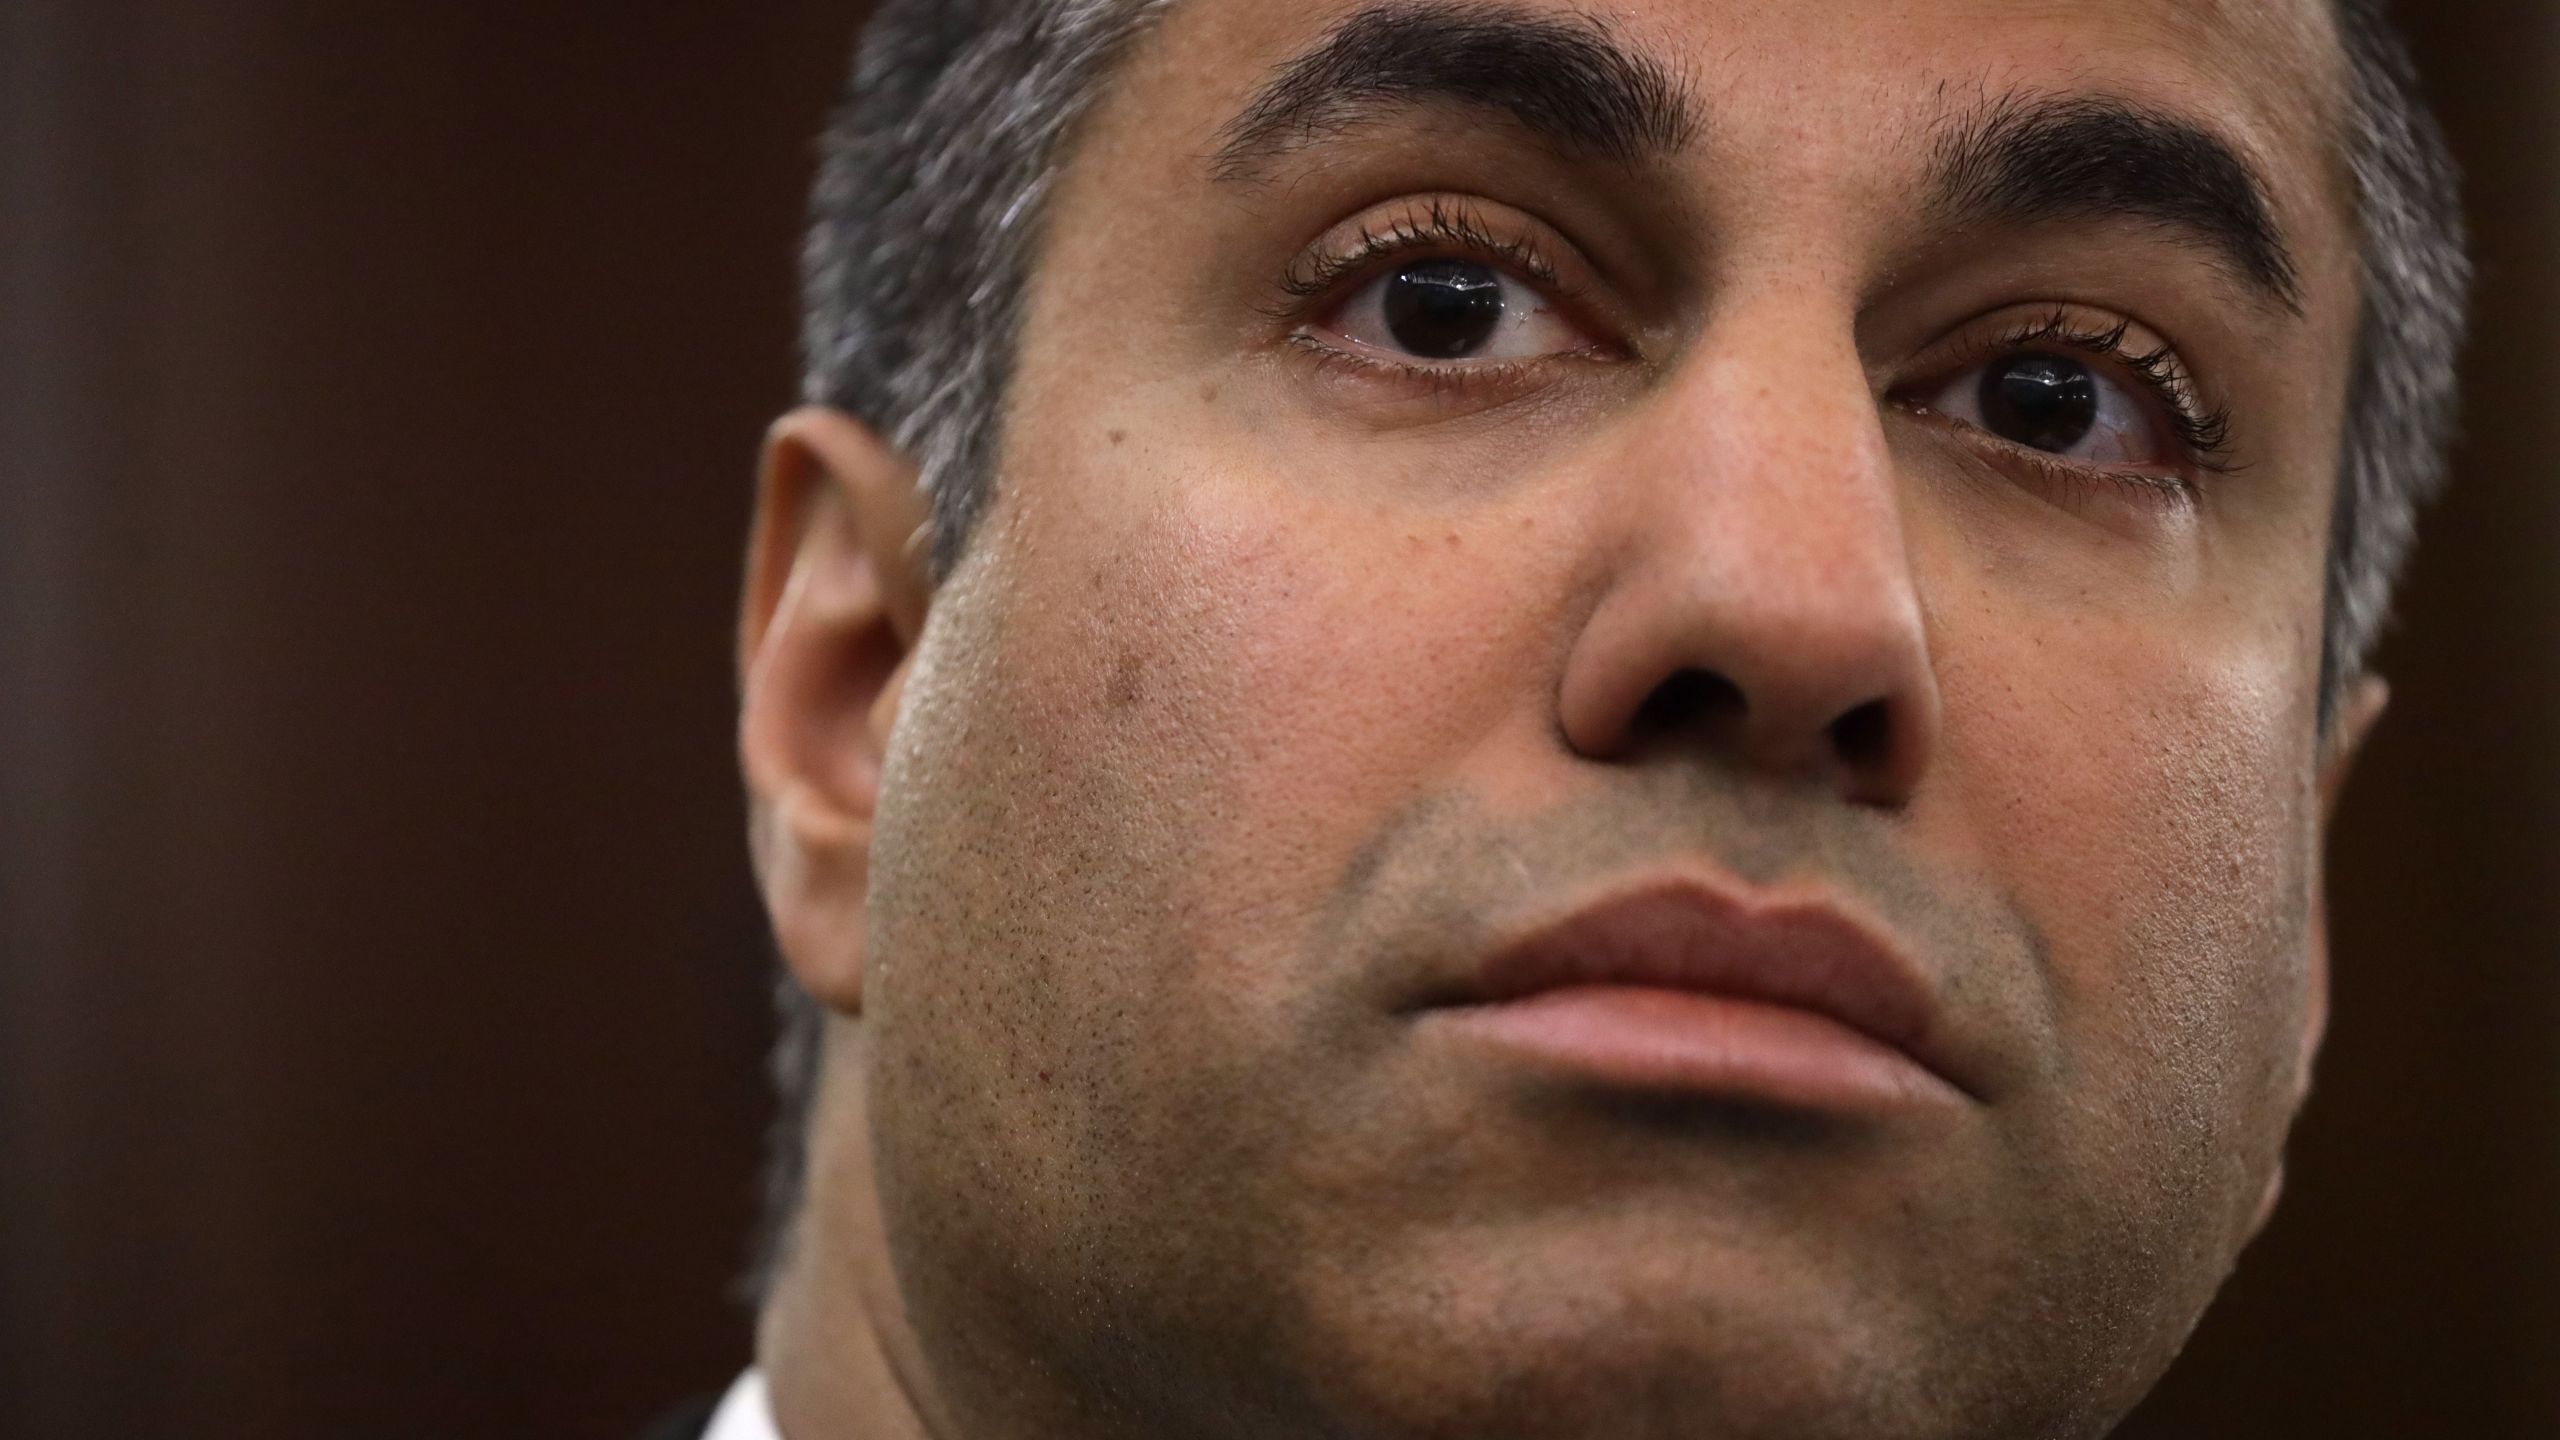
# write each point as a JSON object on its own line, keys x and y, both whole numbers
{"x": 1145, "y": 745}
{"x": 1139, "y": 755}
{"x": 2145, "y": 790}
{"x": 1271, "y": 673}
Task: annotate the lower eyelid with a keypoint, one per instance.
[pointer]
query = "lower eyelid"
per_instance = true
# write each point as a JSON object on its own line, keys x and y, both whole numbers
{"x": 2137, "y": 483}
{"x": 1392, "y": 380}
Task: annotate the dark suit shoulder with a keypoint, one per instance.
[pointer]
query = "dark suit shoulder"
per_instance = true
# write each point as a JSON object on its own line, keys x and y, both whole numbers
{"x": 686, "y": 1423}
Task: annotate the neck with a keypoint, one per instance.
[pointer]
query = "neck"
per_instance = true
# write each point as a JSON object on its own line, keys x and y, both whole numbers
{"x": 839, "y": 1360}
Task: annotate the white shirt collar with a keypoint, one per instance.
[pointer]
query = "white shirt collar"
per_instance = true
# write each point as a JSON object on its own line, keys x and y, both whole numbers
{"x": 744, "y": 1413}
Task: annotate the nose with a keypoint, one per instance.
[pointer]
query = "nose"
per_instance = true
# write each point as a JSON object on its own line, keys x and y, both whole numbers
{"x": 1756, "y": 596}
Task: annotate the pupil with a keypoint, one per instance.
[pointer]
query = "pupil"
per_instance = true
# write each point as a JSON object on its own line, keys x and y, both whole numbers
{"x": 2043, "y": 402}
{"x": 1443, "y": 309}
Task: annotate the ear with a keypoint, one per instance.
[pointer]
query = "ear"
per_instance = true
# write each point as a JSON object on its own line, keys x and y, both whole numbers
{"x": 835, "y": 599}
{"x": 2354, "y": 723}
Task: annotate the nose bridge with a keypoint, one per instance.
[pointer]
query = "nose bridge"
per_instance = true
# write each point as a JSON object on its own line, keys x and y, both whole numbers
{"x": 1762, "y": 594}
{"x": 1771, "y": 427}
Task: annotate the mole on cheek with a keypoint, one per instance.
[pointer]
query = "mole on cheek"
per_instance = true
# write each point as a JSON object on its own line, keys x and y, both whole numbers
{"x": 1128, "y": 684}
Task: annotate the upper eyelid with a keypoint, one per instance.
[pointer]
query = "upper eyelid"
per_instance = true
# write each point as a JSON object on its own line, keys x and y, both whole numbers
{"x": 1420, "y": 222}
{"x": 2107, "y": 340}
{"x": 2160, "y": 368}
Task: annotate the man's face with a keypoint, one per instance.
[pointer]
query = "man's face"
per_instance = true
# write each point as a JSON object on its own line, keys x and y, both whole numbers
{"x": 1849, "y": 492}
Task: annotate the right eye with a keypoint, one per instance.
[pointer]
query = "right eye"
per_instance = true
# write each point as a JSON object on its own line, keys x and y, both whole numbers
{"x": 1454, "y": 309}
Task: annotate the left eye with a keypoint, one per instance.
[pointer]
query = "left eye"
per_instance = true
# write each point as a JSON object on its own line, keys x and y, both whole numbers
{"x": 1454, "y": 310}
{"x": 2055, "y": 403}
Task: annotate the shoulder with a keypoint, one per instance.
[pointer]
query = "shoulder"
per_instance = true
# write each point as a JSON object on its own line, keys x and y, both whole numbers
{"x": 687, "y": 1422}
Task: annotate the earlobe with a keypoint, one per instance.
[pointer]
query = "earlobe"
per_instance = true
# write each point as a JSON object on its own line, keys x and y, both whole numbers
{"x": 832, "y": 609}
{"x": 2357, "y": 714}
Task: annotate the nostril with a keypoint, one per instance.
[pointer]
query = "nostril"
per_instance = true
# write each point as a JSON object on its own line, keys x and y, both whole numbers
{"x": 1686, "y": 700}
{"x": 1864, "y": 736}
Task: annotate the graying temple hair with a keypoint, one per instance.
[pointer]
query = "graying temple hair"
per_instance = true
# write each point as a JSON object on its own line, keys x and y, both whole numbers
{"x": 2417, "y": 288}
{"x": 926, "y": 216}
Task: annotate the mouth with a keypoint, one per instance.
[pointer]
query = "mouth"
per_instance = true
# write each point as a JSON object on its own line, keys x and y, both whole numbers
{"x": 1681, "y": 985}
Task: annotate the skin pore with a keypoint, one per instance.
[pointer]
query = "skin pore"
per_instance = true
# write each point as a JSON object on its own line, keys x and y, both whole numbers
{"x": 1291, "y": 671}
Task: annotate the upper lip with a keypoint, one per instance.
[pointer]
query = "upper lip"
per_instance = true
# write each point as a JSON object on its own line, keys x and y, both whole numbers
{"x": 1687, "y": 932}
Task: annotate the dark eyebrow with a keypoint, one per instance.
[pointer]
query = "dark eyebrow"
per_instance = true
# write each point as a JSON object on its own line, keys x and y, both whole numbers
{"x": 1566, "y": 78}
{"x": 2024, "y": 160}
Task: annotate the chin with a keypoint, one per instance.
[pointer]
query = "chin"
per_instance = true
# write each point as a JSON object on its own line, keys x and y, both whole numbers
{"x": 1715, "y": 1347}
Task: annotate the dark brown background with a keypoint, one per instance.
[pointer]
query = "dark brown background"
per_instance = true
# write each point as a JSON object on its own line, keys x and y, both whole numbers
{"x": 381, "y": 993}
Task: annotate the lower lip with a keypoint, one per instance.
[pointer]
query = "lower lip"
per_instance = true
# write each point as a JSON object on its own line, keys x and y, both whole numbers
{"x": 1678, "y": 1041}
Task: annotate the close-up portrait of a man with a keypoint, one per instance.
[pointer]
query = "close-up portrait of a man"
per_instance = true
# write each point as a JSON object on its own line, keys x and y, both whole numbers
{"x": 1506, "y": 718}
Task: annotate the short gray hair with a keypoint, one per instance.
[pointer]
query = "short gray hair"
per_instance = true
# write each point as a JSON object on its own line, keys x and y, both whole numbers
{"x": 2402, "y": 393}
{"x": 925, "y": 221}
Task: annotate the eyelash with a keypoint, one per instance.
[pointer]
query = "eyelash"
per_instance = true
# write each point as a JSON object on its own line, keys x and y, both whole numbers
{"x": 1442, "y": 224}
{"x": 2206, "y": 434}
